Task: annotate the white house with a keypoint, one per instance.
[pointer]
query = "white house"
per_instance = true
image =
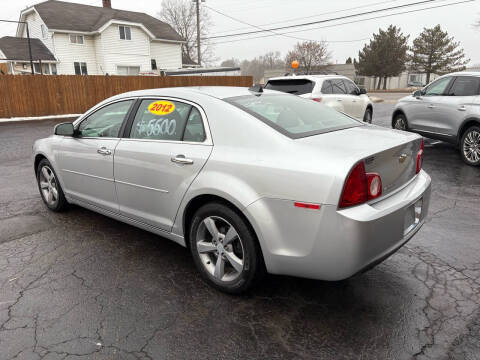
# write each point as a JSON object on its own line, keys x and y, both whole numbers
{"x": 94, "y": 40}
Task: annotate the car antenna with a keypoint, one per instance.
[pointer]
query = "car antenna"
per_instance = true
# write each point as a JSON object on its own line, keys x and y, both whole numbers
{"x": 256, "y": 89}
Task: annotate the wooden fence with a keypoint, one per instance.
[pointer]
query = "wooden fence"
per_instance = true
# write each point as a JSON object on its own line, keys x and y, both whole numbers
{"x": 25, "y": 96}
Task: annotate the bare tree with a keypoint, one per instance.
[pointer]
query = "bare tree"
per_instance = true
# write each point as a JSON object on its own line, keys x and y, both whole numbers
{"x": 272, "y": 60}
{"x": 311, "y": 55}
{"x": 230, "y": 63}
{"x": 181, "y": 15}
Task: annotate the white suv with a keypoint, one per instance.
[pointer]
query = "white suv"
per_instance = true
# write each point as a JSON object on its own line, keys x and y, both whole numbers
{"x": 338, "y": 92}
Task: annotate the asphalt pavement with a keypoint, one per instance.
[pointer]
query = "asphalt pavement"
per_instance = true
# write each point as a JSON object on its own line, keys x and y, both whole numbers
{"x": 79, "y": 285}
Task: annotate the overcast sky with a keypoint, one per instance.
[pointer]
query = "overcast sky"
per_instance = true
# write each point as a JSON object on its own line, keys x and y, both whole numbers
{"x": 344, "y": 41}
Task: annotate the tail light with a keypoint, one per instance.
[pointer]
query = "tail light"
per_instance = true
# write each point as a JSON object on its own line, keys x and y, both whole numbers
{"x": 420, "y": 157}
{"x": 317, "y": 99}
{"x": 360, "y": 187}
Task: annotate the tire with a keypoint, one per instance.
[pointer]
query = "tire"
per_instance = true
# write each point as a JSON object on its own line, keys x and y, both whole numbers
{"x": 49, "y": 187}
{"x": 400, "y": 122}
{"x": 470, "y": 146}
{"x": 367, "y": 117}
{"x": 241, "y": 257}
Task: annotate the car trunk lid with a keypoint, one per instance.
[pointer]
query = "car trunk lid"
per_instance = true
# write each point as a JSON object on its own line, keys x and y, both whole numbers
{"x": 390, "y": 153}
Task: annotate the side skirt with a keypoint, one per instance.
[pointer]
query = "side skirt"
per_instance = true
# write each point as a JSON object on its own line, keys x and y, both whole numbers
{"x": 117, "y": 216}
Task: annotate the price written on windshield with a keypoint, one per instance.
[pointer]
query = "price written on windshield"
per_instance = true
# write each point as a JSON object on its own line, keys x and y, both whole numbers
{"x": 161, "y": 107}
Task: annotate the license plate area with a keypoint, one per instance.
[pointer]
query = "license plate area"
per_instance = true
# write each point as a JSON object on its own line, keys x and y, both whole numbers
{"x": 413, "y": 215}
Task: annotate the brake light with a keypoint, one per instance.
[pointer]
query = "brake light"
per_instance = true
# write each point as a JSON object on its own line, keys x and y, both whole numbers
{"x": 360, "y": 187}
{"x": 420, "y": 157}
{"x": 317, "y": 99}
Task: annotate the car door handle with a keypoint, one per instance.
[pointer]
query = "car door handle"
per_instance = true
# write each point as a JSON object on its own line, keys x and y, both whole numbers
{"x": 339, "y": 100}
{"x": 182, "y": 160}
{"x": 431, "y": 106}
{"x": 104, "y": 151}
{"x": 462, "y": 108}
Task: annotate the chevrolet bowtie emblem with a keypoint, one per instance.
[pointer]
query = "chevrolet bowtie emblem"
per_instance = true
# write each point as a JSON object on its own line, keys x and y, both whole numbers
{"x": 402, "y": 158}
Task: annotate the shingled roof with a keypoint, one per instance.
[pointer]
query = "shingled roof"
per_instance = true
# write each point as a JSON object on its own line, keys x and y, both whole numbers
{"x": 15, "y": 48}
{"x": 60, "y": 15}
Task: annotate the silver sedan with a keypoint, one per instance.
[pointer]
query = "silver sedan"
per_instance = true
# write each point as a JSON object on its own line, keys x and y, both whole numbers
{"x": 250, "y": 180}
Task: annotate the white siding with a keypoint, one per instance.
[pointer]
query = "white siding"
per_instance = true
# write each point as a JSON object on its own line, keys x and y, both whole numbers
{"x": 167, "y": 55}
{"x": 100, "y": 55}
{"x": 135, "y": 52}
{"x": 68, "y": 53}
{"x": 34, "y": 26}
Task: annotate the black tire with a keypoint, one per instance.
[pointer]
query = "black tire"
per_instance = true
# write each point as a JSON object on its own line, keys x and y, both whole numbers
{"x": 60, "y": 202}
{"x": 367, "y": 117}
{"x": 253, "y": 266}
{"x": 470, "y": 139}
{"x": 398, "y": 120}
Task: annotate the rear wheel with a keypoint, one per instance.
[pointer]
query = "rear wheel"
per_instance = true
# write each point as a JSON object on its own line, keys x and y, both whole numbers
{"x": 224, "y": 248}
{"x": 470, "y": 146}
{"x": 368, "y": 116}
{"x": 400, "y": 122}
{"x": 49, "y": 187}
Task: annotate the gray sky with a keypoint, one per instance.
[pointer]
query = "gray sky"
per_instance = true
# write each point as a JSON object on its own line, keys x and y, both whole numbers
{"x": 458, "y": 20}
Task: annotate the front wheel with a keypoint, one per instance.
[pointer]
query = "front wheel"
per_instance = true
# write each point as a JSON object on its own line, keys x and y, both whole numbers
{"x": 49, "y": 187}
{"x": 368, "y": 116}
{"x": 470, "y": 146}
{"x": 400, "y": 122}
{"x": 224, "y": 248}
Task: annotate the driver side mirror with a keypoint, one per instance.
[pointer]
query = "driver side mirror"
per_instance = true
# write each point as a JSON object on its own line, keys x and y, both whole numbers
{"x": 417, "y": 93}
{"x": 64, "y": 129}
{"x": 363, "y": 91}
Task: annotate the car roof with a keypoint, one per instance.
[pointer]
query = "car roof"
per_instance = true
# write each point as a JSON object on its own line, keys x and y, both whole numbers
{"x": 219, "y": 92}
{"x": 308, "y": 77}
{"x": 465, "y": 73}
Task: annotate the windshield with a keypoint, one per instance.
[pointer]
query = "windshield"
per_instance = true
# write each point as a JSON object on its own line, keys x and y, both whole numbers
{"x": 291, "y": 86}
{"x": 293, "y": 116}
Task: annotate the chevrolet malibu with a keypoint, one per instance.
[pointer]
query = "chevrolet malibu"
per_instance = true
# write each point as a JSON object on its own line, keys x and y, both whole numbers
{"x": 250, "y": 180}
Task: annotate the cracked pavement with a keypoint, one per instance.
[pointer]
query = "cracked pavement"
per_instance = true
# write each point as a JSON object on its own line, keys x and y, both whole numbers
{"x": 79, "y": 285}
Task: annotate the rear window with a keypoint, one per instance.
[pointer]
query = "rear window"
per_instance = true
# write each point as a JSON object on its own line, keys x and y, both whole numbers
{"x": 291, "y": 86}
{"x": 293, "y": 116}
{"x": 465, "y": 86}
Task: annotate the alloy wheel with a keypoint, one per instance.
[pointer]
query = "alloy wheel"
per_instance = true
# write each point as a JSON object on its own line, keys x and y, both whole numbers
{"x": 471, "y": 146}
{"x": 400, "y": 123}
{"x": 48, "y": 185}
{"x": 220, "y": 248}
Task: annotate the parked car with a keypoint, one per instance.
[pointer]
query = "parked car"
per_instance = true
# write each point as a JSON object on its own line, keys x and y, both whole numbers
{"x": 448, "y": 109}
{"x": 338, "y": 92}
{"x": 248, "y": 181}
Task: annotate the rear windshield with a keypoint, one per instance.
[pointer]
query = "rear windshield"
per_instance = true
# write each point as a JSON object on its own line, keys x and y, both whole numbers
{"x": 293, "y": 116}
{"x": 291, "y": 86}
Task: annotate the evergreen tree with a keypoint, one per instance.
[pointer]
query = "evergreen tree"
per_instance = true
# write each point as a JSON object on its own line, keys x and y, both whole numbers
{"x": 385, "y": 55}
{"x": 348, "y": 61}
{"x": 434, "y": 52}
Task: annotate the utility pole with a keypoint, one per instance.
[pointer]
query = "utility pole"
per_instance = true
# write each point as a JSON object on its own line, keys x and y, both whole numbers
{"x": 30, "y": 50}
{"x": 28, "y": 39}
{"x": 198, "y": 31}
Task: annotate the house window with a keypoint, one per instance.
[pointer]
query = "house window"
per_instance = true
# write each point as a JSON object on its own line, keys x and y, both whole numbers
{"x": 44, "y": 31}
{"x": 154, "y": 64}
{"x": 125, "y": 32}
{"x": 77, "y": 39}
{"x": 53, "y": 68}
{"x": 80, "y": 68}
{"x": 128, "y": 70}
{"x": 36, "y": 68}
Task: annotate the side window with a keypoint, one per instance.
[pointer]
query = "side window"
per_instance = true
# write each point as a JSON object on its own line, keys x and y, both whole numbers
{"x": 107, "y": 121}
{"x": 338, "y": 87}
{"x": 327, "y": 87}
{"x": 351, "y": 87}
{"x": 194, "y": 130}
{"x": 438, "y": 87}
{"x": 465, "y": 86}
{"x": 160, "y": 120}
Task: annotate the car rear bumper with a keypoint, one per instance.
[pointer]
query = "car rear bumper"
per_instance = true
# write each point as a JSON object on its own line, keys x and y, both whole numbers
{"x": 332, "y": 244}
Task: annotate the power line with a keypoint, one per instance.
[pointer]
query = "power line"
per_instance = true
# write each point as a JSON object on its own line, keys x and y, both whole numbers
{"x": 323, "y": 21}
{"x": 311, "y": 16}
{"x": 254, "y": 26}
{"x": 349, "y": 22}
